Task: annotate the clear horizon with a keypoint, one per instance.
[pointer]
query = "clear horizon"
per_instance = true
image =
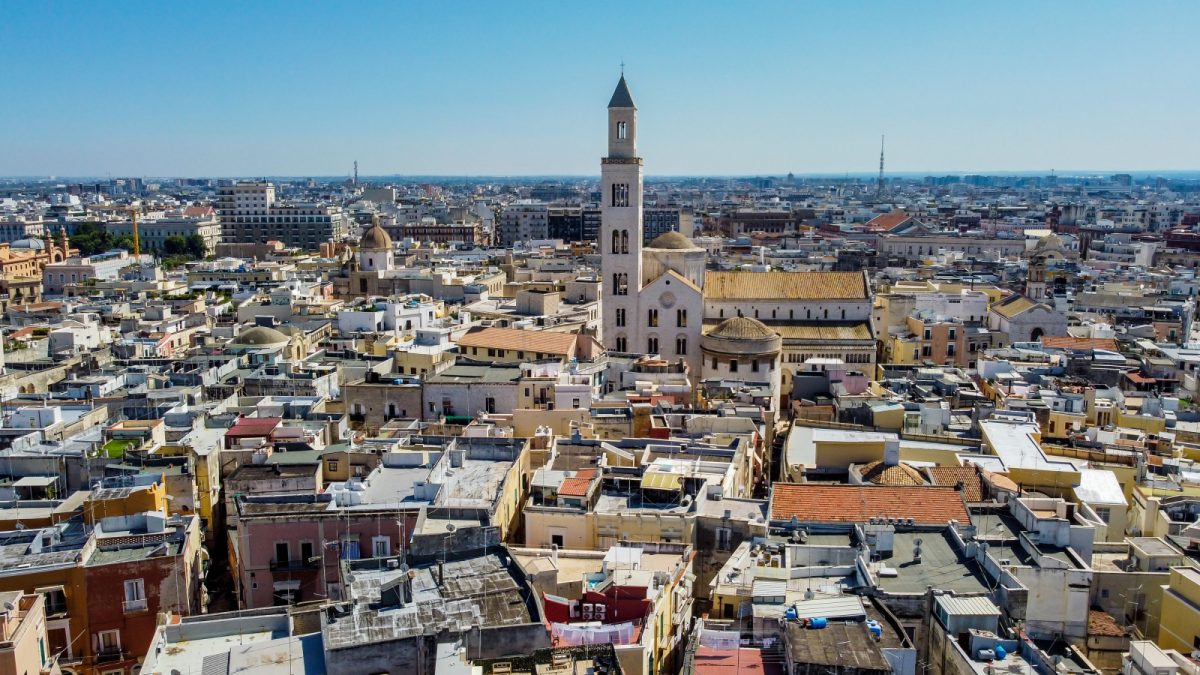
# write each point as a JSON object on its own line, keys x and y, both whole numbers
{"x": 273, "y": 89}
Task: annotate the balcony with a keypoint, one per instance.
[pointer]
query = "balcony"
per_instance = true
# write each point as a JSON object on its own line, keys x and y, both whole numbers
{"x": 131, "y": 606}
{"x": 109, "y": 655}
{"x": 292, "y": 565}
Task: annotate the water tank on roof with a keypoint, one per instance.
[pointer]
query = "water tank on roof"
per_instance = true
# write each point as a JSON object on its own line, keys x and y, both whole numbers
{"x": 818, "y": 622}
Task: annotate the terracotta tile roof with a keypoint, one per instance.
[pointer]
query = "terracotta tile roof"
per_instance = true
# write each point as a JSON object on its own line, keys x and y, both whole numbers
{"x": 575, "y": 487}
{"x": 785, "y": 285}
{"x": 1103, "y": 623}
{"x": 198, "y": 211}
{"x": 821, "y": 332}
{"x": 888, "y": 221}
{"x": 951, "y": 475}
{"x": 1068, "y": 342}
{"x": 1014, "y": 305}
{"x": 879, "y": 473}
{"x": 253, "y": 426}
{"x": 926, "y": 505}
{"x": 517, "y": 339}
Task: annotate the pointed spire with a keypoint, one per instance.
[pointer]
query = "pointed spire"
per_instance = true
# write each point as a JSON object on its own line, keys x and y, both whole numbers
{"x": 621, "y": 97}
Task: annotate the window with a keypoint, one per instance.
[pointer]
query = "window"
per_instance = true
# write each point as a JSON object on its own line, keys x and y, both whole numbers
{"x": 620, "y": 194}
{"x": 953, "y": 333}
{"x": 1104, "y": 514}
{"x": 556, "y": 540}
{"x": 624, "y": 241}
{"x": 622, "y": 131}
{"x": 681, "y": 318}
{"x": 56, "y": 600}
{"x": 616, "y": 241}
{"x": 733, "y": 365}
{"x": 928, "y": 334}
{"x": 331, "y": 466}
{"x": 652, "y": 345}
{"x": 723, "y": 538}
{"x": 620, "y": 317}
{"x": 489, "y": 405}
{"x": 621, "y": 344}
{"x": 350, "y": 549}
{"x": 135, "y": 595}
{"x": 381, "y": 547}
{"x": 926, "y": 350}
{"x": 282, "y": 554}
{"x": 620, "y": 283}
{"x": 306, "y": 551}
{"x": 652, "y": 318}
{"x": 681, "y": 345}
{"x": 754, "y": 365}
{"x": 108, "y": 642}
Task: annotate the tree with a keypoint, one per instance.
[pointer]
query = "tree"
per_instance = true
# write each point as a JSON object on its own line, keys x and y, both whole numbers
{"x": 175, "y": 245}
{"x": 124, "y": 241}
{"x": 195, "y": 246}
{"x": 91, "y": 238}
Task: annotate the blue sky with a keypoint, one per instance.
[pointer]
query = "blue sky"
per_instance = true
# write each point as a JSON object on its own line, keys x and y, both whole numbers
{"x": 274, "y": 88}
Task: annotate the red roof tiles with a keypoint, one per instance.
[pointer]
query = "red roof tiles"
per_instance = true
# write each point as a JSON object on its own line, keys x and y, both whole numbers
{"x": 575, "y": 487}
{"x": 951, "y": 475}
{"x": 810, "y": 503}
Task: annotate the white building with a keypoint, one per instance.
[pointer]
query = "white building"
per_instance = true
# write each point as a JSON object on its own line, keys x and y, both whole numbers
{"x": 249, "y": 212}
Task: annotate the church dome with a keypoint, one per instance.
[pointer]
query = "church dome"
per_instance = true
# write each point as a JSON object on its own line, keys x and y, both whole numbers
{"x": 741, "y": 335}
{"x": 672, "y": 241}
{"x": 260, "y": 336}
{"x": 742, "y": 328}
{"x": 31, "y": 244}
{"x": 881, "y": 473}
{"x": 375, "y": 239}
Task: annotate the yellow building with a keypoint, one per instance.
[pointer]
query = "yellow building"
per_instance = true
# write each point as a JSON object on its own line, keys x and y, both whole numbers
{"x": 117, "y": 498}
{"x": 1179, "y": 623}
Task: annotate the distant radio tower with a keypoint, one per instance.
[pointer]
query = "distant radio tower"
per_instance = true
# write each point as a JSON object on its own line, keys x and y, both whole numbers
{"x": 879, "y": 185}
{"x": 356, "y": 172}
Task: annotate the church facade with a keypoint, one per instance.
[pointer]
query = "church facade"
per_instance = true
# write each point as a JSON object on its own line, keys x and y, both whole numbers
{"x": 661, "y": 298}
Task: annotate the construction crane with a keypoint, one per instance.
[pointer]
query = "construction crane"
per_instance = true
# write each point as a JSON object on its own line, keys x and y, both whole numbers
{"x": 137, "y": 248}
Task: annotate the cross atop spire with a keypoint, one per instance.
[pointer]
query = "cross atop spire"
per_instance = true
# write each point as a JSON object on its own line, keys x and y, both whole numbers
{"x": 621, "y": 97}
{"x": 622, "y": 67}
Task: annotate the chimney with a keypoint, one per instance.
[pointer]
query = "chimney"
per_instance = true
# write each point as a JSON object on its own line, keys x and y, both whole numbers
{"x": 891, "y": 452}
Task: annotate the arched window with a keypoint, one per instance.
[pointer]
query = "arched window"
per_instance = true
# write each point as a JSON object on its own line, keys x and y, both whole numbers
{"x": 652, "y": 345}
{"x": 622, "y": 131}
{"x": 624, "y": 241}
{"x": 681, "y": 345}
{"x": 616, "y": 241}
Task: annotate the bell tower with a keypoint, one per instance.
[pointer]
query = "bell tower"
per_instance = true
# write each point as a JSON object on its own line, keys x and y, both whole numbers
{"x": 621, "y": 226}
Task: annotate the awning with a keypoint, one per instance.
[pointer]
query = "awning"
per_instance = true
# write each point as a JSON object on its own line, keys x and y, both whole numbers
{"x": 36, "y": 481}
{"x": 661, "y": 480}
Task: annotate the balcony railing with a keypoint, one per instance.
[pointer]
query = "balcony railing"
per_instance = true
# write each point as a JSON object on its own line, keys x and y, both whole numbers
{"x": 131, "y": 606}
{"x": 109, "y": 654}
{"x": 292, "y": 565}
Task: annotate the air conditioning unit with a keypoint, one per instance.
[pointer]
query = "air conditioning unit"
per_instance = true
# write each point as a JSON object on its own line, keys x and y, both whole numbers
{"x": 588, "y": 614}
{"x": 601, "y": 610}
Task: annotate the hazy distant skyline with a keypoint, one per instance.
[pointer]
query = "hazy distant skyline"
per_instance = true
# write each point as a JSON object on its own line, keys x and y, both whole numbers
{"x": 172, "y": 89}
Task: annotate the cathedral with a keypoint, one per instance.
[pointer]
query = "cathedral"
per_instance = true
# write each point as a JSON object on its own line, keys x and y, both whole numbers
{"x": 661, "y": 298}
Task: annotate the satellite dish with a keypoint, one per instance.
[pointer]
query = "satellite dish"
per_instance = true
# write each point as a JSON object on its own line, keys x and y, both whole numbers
{"x": 450, "y": 527}
{"x": 9, "y": 606}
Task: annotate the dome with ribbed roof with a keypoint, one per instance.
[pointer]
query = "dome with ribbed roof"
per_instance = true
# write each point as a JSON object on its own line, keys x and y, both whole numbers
{"x": 375, "y": 239}
{"x": 260, "y": 336}
{"x": 742, "y": 328}
{"x": 880, "y": 473}
{"x": 673, "y": 241}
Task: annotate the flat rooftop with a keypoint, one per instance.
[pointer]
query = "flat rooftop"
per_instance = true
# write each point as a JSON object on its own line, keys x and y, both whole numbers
{"x": 940, "y": 566}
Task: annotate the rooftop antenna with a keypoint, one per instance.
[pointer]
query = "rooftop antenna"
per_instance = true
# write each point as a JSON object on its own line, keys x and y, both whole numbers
{"x": 879, "y": 185}
{"x": 356, "y": 173}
